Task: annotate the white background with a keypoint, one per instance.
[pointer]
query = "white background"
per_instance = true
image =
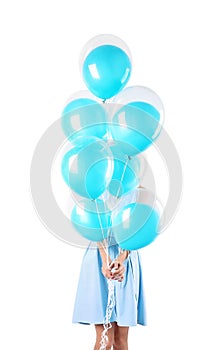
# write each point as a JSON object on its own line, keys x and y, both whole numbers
{"x": 172, "y": 48}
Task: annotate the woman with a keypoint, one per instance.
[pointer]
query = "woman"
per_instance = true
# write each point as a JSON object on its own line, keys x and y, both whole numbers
{"x": 124, "y": 268}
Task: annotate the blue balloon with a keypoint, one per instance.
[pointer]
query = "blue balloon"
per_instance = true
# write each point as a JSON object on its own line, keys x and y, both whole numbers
{"x": 91, "y": 220}
{"x": 136, "y": 125}
{"x": 84, "y": 117}
{"x": 135, "y": 226}
{"x": 125, "y": 176}
{"x": 106, "y": 70}
{"x": 87, "y": 169}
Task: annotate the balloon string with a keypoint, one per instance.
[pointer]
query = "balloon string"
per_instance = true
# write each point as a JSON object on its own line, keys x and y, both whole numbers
{"x": 111, "y": 298}
{"x": 121, "y": 179}
{"x": 109, "y": 309}
{"x": 102, "y": 229}
{"x": 123, "y": 174}
{"x": 111, "y": 301}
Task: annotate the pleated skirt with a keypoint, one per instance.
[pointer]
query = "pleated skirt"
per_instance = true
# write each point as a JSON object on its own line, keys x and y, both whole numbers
{"x": 92, "y": 291}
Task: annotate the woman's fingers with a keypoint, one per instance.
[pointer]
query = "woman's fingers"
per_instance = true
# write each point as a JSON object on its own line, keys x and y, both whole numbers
{"x": 119, "y": 271}
{"x": 106, "y": 272}
{"x": 115, "y": 265}
{"x": 118, "y": 274}
{"x": 121, "y": 279}
{"x": 118, "y": 278}
{"x": 121, "y": 275}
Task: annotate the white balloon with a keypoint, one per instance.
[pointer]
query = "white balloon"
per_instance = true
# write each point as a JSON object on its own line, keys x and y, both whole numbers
{"x": 62, "y": 193}
{"x": 81, "y": 94}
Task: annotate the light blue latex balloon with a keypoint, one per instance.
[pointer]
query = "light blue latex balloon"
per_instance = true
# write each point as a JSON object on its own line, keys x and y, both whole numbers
{"x": 91, "y": 220}
{"x": 84, "y": 117}
{"x": 106, "y": 70}
{"x": 135, "y": 226}
{"x": 136, "y": 126}
{"x": 87, "y": 169}
{"x": 125, "y": 174}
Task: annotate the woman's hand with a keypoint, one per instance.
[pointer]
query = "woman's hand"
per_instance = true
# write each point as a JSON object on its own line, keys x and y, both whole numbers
{"x": 113, "y": 270}
{"x": 117, "y": 266}
{"x": 117, "y": 270}
{"x": 106, "y": 270}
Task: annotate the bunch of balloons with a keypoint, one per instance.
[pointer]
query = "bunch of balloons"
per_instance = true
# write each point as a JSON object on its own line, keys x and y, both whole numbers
{"x": 108, "y": 127}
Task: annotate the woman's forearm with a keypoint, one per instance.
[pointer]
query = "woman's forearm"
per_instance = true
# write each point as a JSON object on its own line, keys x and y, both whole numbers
{"x": 106, "y": 258}
{"x": 123, "y": 255}
{"x": 103, "y": 253}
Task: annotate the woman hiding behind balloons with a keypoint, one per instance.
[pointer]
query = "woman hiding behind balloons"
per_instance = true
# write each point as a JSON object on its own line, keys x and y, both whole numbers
{"x": 124, "y": 268}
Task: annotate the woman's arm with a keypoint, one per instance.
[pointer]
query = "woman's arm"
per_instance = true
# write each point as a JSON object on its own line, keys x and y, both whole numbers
{"x": 117, "y": 267}
{"x": 102, "y": 250}
{"x": 112, "y": 269}
{"x": 123, "y": 256}
{"x": 106, "y": 260}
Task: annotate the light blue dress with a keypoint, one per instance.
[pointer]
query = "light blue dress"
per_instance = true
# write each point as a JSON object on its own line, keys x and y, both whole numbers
{"x": 92, "y": 291}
